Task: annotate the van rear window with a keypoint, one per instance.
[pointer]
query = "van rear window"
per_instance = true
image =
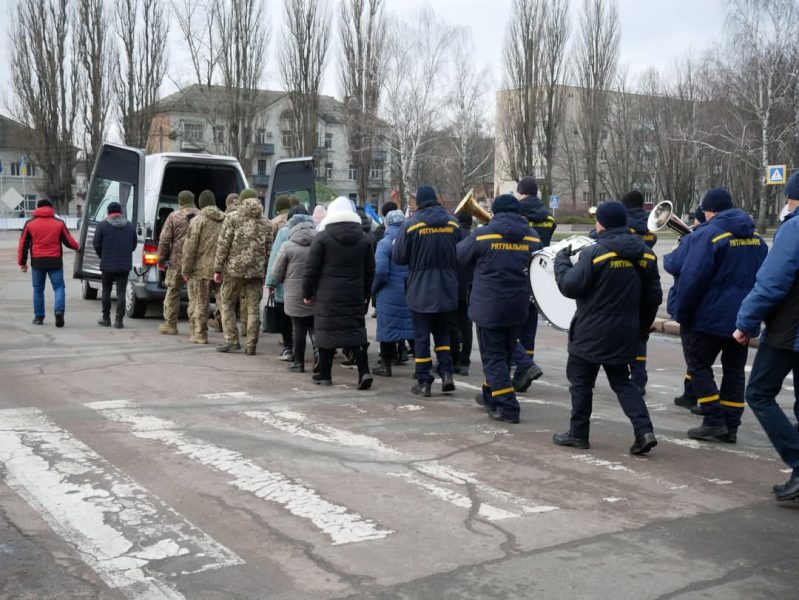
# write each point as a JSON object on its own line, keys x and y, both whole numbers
{"x": 220, "y": 179}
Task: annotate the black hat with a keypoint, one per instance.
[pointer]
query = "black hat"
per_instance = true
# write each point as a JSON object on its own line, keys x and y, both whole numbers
{"x": 299, "y": 209}
{"x": 792, "y": 187}
{"x": 633, "y": 199}
{"x": 611, "y": 214}
{"x": 717, "y": 200}
{"x": 527, "y": 186}
{"x": 699, "y": 214}
{"x": 114, "y": 208}
{"x": 44, "y": 202}
{"x": 388, "y": 207}
{"x": 426, "y": 196}
{"x": 505, "y": 203}
{"x": 465, "y": 219}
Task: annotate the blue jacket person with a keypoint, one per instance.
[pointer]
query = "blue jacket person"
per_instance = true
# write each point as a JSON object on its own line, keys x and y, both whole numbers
{"x": 500, "y": 298}
{"x": 617, "y": 288}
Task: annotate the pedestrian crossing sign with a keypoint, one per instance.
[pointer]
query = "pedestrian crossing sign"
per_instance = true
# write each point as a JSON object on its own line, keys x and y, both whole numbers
{"x": 775, "y": 175}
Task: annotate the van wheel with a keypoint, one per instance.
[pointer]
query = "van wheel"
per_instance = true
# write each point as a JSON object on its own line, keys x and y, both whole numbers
{"x": 134, "y": 307}
{"x": 88, "y": 292}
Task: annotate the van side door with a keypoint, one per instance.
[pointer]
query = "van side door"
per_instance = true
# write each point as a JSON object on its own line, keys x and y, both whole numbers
{"x": 292, "y": 177}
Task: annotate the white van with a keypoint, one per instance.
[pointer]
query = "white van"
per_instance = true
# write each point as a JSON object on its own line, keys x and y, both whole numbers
{"x": 147, "y": 187}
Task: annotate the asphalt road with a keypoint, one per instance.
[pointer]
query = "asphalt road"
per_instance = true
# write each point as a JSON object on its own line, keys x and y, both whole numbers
{"x": 136, "y": 465}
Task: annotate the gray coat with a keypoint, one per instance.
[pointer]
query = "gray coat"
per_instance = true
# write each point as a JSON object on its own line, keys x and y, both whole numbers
{"x": 290, "y": 265}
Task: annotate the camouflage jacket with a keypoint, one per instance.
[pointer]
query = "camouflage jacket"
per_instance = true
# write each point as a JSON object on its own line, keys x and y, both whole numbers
{"x": 244, "y": 242}
{"x": 170, "y": 244}
{"x": 199, "y": 247}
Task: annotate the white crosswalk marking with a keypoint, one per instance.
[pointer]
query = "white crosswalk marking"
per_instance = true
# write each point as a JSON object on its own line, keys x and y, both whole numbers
{"x": 128, "y": 536}
{"x": 341, "y": 524}
{"x": 297, "y": 424}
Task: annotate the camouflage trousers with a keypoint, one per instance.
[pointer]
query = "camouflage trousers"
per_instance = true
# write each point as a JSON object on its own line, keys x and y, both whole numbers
{"x": 200, "y": 292}
{"x": 174, "y": 283}
{"x": 252, "y": 290}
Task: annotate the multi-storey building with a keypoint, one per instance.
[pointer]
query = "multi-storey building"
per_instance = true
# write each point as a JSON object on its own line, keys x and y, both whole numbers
{"x": 194, "y": 120}
{"x": 20, "y": 178}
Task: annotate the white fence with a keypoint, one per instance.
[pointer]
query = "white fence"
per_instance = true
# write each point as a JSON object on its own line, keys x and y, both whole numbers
{"x": 16, "y": 224}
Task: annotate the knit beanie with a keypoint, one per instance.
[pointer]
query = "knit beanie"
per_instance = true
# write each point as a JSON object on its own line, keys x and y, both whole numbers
{"x": 114, "y": 208}
{"x": 426, "y": 197}
{"x": 207, "y": 198}
{"x": 792, "y": 187}
{"x": 43, "y": 202}
{"x": 505, "y": 203}
{"x": 186, "y": 199}
{"x": 395, "y": 217}
{"x": 282, "y": 203}
{"x": 297, "y": 210}
{"x": 527, "y": 186}
{"x": 247, "y": 193}
{"x": 717, "y": 200}
{"x": 633, "y": 199}
{"x": 231, "y": 200}
{"x": 611, "y": 214}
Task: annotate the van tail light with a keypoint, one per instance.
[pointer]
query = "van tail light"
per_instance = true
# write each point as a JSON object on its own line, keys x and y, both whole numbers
{"x": 150, "y": 254}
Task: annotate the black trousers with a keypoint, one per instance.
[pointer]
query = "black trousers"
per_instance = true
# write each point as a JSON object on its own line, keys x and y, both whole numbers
{"x": 724, "y": 405}
{"x": 285, "y": 324}
{"x": 389, "y": 351}
{"x": 109, "y": 279}
{"x": 437, "y": 324}
{"x": 301, "y": 327}
{"x": 496, "y": 354}
{"x": 464, "y": 349}
{"x": 326, "y": 361}
{"x": 688, "y": 388}
{"x": 582, "y": 377}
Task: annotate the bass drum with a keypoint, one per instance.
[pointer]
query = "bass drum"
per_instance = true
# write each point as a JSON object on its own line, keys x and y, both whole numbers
{"x": 556, "y": 309}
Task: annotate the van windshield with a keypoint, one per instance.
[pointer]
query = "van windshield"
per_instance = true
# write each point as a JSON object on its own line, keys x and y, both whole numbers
{"x": 105, "y": 191}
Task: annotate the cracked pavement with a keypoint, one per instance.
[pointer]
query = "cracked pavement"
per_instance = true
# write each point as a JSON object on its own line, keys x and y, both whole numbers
{"x": 461, "y": 507}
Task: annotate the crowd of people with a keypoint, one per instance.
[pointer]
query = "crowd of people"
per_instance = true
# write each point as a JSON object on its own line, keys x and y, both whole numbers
{"x": 432, "y": 275}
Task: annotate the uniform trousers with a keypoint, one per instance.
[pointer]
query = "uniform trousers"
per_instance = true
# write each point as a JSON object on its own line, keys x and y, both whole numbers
{"x": 174, "y": 284}
{"x": 688, "y": 388}
{"x": 638, "y": 367}
{"x": 232, "y": 290}
{"x": 524, "y": 350}
{"x": 109, "y": 279}
{"x": 770, "y": 368}
{"x": 725, "y": 405}
{"x": 425, "y": 324}
{"x": 582, "y": 376}
{"x": 200, "y": 289}
{"x": 496, "y": 354}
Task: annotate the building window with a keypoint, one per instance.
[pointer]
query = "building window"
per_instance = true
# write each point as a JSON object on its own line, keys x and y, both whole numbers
{"x": 328, "y": 141}
{"x": 353, "y": 172}
{"x": 261, "y": 139}
{"x": 376, "y": 172}
{"x": 193, "y": 131}
{"x": 30, "y": 169}
{"x": 15, "y": 171}
{"x": 219, "y": 134}
{"x": 261, "y": 166}
{"x": 329, "y": 170}
{"x": 287, "y": 138}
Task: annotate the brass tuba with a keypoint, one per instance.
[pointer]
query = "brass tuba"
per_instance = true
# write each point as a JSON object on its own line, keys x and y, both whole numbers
{"x": 470, "y": 206}
{"x": 662, "y": 215}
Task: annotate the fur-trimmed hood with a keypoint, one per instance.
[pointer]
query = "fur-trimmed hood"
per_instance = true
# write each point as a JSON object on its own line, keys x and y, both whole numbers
{"x": 339, "y": 211}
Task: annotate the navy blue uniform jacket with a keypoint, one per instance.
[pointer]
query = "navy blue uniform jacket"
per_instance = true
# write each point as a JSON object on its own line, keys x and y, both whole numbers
{"x": 114, "y": 242}
{"x": 538, "y": 218}
{"x": 718, "y": 271}
{"x": 426, "y": 244}
{"x": 501, "y": 252}
{"x": 775, "y": 297}
{"x": 637, "y": 221}
{"x": 617, "y": 288}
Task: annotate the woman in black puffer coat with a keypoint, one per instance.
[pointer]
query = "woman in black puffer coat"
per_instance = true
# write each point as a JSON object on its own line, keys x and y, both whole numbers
{"x": 338, "y": 279}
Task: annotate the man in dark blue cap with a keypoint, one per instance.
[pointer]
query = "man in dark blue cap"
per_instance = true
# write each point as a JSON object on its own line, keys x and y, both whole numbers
{"x": 617, "y": 288}
{"x": 775, "y": 301}
{"x": 717, "y": 273}
{"x": 500, "y": 253}
{"x": 426, "y": 244}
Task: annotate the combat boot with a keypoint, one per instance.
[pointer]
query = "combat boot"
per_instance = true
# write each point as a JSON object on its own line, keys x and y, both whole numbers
{"x": 200, "y": 339}
{"x": 447, "y": 383}
{"x": 567, "y": 439}
{"x": 104, "y": 322}
{"x": 118, "y": 324}
{"x": 250, "y": 351}
{"x": 168, "y": 329}
{"x": 383, "y": 369}
{"x": 422, "y": 389}
{"x": 643, "y": 443}
{"x": 708, "y": 433}
{"x": 229, "y": 347}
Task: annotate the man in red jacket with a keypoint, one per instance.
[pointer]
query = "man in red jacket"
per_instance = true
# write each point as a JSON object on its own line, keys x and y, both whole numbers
{"x": 42, "y": 237}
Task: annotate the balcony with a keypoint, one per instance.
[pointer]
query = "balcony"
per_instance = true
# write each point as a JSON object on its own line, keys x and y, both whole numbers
{"x": 265, "y": 149}
{"x": 260, "y": 180}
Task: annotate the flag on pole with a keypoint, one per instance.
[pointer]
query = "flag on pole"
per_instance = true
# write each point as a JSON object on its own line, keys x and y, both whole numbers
{"x": 372, "y": 214}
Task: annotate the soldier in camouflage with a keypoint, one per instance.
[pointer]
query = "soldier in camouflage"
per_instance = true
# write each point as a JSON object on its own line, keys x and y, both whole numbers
{"x": 240, "y": 266}
{"x": 170, "y": 257}
{"x": 231, "y": 203}
{"x": 199, "y": 252}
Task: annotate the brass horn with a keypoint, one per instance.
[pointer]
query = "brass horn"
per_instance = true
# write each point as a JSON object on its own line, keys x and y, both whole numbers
{"x": 662, "y": 215}
{"x": 470, "y": 206}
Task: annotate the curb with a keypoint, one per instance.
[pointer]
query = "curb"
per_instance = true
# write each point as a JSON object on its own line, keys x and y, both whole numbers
{"x": 669, "y": 327}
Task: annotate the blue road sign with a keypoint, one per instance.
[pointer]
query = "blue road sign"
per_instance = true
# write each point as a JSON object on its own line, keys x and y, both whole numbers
{"x": 775, "y": 175}
{"x": 554, "y": 201}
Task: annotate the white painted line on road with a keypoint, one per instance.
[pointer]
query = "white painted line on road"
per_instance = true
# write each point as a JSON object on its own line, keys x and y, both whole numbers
{"x": 341, "y": 524}
{"x": 717, "y": 481}
{"x": 117, "y": 527}
{"x": 297, "y": 424}
{"x": 411, "y": 407}
{"x": 699, "y": 445}
{"x": 595, "y": 461}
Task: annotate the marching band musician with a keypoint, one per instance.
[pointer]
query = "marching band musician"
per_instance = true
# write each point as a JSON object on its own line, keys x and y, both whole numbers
{"x": 542, "y": 221}
{"x": 718, "y": 271}
{"x": 617, "y": 288}
{"x": 500, "y": 253}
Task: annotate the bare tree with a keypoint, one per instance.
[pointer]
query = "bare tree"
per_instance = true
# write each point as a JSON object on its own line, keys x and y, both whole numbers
{"x": 45, "y": 78}
{"x": 97, "y": 55}
{"x": 303, "y": 53}
{"x": 197, "y": 21}
{"x": 142, "y": 27}
{"x": 625, "y": 147}
{"x": 415, "y": 103}
{"x": 362, "y": 34}
{"x": 597, "y": 55}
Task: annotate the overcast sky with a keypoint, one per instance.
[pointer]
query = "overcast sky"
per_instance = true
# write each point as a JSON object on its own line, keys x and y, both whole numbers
{"x": 654, "y": 33}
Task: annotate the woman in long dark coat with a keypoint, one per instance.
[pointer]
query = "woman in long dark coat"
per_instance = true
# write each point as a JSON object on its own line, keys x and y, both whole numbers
{"x": 338, "y": 280}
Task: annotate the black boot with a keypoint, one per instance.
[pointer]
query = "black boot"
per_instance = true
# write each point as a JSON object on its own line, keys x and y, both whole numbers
{"x": 104, "y": 322}
{"x": 566, "y": 439}
{"x": 421, "y": 389}
{"x": 643, "y": 443}
{"x": 709, "y": 434}
{"x": 684, "y": 402}
{"x": 297, "y": 367}
{"x": 118, "y": 323}
{"x": 383, "y": 369}
{"x": 788, "y": 490}
{"x": 447, "y": 383}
